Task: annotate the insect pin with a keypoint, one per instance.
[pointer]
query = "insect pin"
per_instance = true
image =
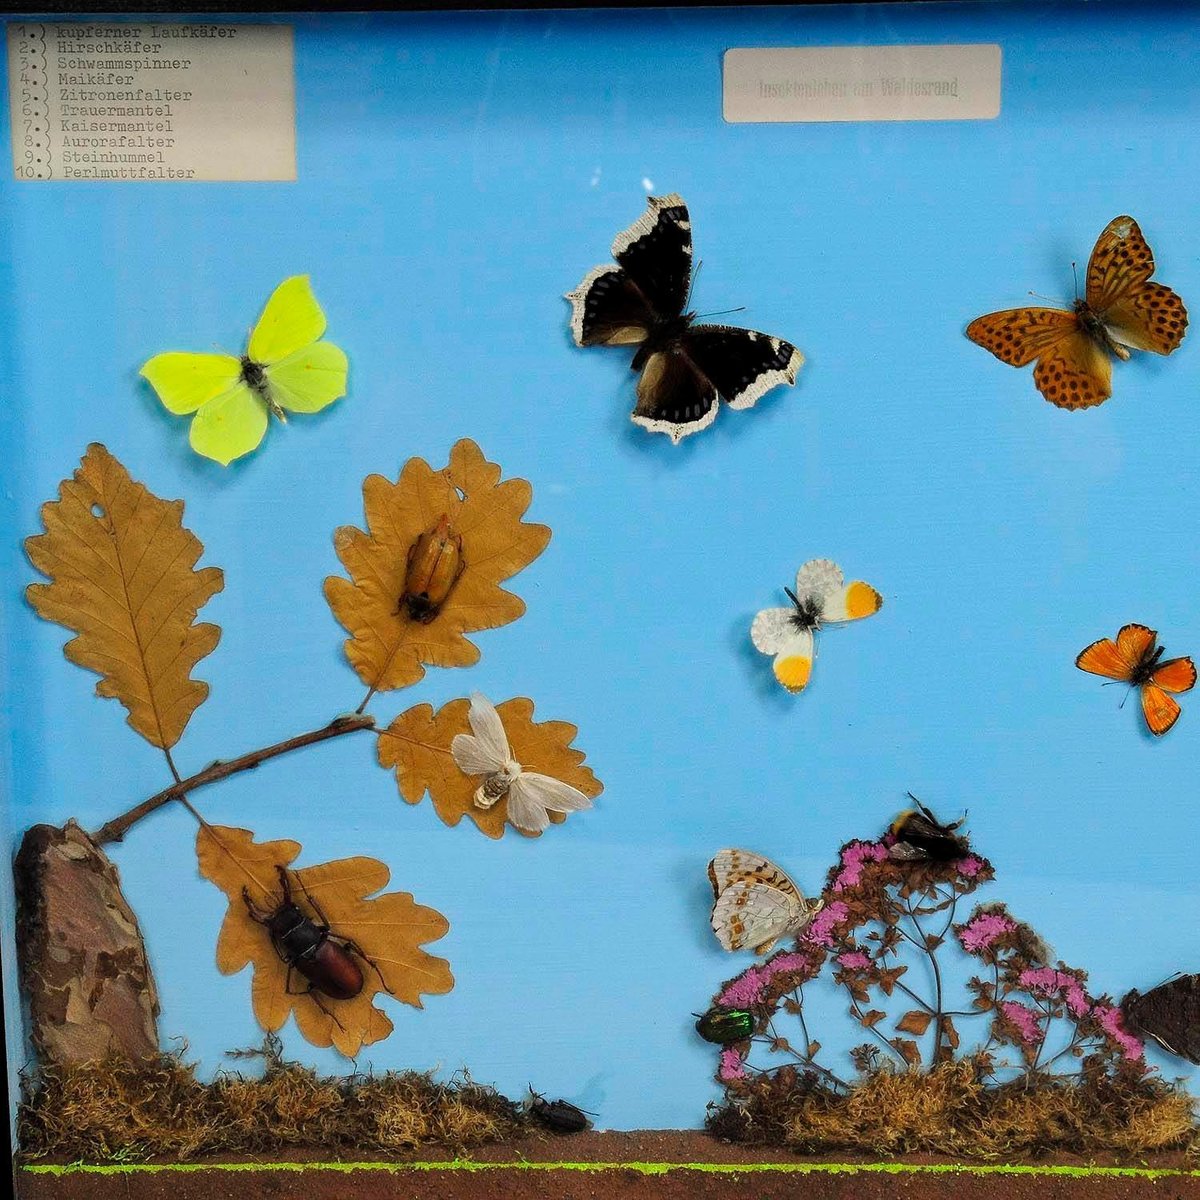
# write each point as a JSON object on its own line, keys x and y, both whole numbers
{"x": 310, "y": 947}
{"x": 559, "y": 1116}
{"x": 724, "y": 1026}
{"x": 918, "y": 836}
{"x": 1136, "y": 658}
{"x": 822, "y": 597}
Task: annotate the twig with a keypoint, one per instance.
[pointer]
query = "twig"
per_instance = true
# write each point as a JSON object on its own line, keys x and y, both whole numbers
{"x": 115, "y": 830}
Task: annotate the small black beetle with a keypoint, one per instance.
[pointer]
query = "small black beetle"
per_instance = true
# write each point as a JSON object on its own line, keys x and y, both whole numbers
{"x": 310, "y": 947}
{"x": 559, "y": 1116}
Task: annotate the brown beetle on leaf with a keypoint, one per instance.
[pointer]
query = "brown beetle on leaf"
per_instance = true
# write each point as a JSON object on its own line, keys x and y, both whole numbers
{"x": 435, "y": 563}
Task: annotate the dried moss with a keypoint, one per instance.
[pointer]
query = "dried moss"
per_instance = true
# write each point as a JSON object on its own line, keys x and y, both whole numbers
{"x": 119, "y": 1110}
{"x": 953, "y": 1110}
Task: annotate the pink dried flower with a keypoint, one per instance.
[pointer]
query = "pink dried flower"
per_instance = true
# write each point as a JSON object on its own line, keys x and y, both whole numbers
{"x": 1113, "y": 1024}
{"x": 1077, "y": 1001}
{"x": 981, "y": 932}
{"x": 969, "y": 866}
{"x": 820, "y": 928}
{"x": 1024, "y": 1020}
{"x": 731, "y": 1067}
{"x": 1046, "y": 981}
{"x": 795, "y": 961}
{"x": 854, "y": 857}
{"x": 854, "y": 960}
{"x": 746, "y": 990}
{"x": 1039, "y": 979}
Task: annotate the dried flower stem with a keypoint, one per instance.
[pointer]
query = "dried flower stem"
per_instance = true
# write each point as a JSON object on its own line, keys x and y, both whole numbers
{"x": 115, "y": 830}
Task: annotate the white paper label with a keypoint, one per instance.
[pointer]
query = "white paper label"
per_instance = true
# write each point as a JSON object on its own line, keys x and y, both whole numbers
{"x": 152, "y": 101}
{"x": 863, "y": 83}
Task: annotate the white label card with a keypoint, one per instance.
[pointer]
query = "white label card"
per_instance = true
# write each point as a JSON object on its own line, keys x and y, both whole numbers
{"x": 862, "y": 83}
{"x": 152, "y": 101}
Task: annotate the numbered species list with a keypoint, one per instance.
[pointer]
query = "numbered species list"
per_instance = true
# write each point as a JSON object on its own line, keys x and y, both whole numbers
{"x": 152, "y": 102}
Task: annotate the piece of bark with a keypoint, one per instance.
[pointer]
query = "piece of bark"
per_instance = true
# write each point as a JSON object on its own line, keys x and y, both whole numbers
{"x": 82, "y": 963}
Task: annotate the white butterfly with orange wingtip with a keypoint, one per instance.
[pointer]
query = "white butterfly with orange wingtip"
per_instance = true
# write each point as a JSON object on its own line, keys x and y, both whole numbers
{"x": 822, "y": 597}
{"x": 485, "y": 751}
{"x": 755, "y": 903}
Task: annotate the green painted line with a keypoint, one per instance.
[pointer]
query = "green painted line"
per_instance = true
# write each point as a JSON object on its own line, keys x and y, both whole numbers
{"x": 641, "y": 1168}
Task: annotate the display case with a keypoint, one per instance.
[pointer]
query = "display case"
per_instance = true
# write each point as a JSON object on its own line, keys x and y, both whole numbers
{"x": 486, "y": 699}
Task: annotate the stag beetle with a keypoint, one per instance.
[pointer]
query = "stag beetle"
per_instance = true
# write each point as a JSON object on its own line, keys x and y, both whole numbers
{"x": 310, "y": 947}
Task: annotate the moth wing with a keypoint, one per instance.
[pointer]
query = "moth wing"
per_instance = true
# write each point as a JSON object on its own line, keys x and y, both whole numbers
{"x": 731, "y": 866}
{"x": 552, "y": 793}
{"x": 1075, "y": 372}
{"x": 229, "y": 426}
{"x": 1151, "y": 317}
{"x": 471, "y": 757}
{"x": 742, "y": 364}
{"x": 1160, "y": 710}
{"x": 750, "y": 914}
{"x": 771, "y": 628}
{"x": 524, "y": 811}
{"x": 1019, "y": 335}
{"x": 607, "y": 309}
{"x": 291, "y": 320}
{"x": 1121, "y": 261}
{"x": 310, "y": 379}
{"x": 1175, "y": 675}
{"x": 794, "y": 660}
{"x": 819, "y": 578}
{"x": 488, "y": 729}
{"x": 673, "y": 397}
{"x": 656, "y": 253}
{"x": 184, "y": 381}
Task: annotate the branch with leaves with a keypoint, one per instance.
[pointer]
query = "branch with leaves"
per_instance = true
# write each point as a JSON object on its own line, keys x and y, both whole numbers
{"x": 426, "y": 572}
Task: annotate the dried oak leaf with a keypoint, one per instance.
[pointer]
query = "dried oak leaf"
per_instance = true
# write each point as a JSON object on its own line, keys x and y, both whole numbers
{"x": 388, "y": 930}
{"x": 122, "y": 571}
{"x": 416, "y": 745}
{"x": 386, "y": 647}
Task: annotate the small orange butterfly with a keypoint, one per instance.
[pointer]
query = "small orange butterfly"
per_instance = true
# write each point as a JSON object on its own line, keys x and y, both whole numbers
{"x": 1121, "y": 309}
{"x": 1136, "y": 658}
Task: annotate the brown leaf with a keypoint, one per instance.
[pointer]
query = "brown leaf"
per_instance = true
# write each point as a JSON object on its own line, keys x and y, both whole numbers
{"x": 387, "y": 647}
{"x": 871, "y": 1017}
{"x": 915, "y": 1021}
{"x": 888, "y": 977}
{"x": 122, "y": 571}
{"x": 417, "y": 746}
{"x": 814, "y": 1049}
{"x": 386, "y": 930}
{"x": 950, "y": 1034}
{"x": 909, "y": 1051}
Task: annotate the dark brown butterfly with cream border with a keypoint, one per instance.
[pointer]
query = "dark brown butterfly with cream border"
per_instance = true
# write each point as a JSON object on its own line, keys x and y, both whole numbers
{"x": 1121, "y": 309}
{"x": 686, "y": 368}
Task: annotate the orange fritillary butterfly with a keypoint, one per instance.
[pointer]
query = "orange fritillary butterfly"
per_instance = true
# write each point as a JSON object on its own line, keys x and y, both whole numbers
{"x": 1121, "y": 309}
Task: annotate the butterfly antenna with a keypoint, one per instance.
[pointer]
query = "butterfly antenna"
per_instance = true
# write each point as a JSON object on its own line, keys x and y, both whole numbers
{"x": 723, "y": 313}
{"x": 1048, "y": 299}
{"x": 692, "y": 284}
{"x": 1075, "y": 276}
{"x": 792, "y": 596}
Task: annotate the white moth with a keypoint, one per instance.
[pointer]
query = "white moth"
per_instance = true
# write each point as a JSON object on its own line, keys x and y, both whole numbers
{"x": 485, "y": 751}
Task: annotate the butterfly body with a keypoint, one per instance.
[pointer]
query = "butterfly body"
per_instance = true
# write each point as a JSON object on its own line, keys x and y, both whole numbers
{"x": 754, "y": 902}
{"x": 821, "y": 596}
{"x": 687, "y": 368}
{"x": 1121, "y": 310}
{"x": 1136, "y": 658}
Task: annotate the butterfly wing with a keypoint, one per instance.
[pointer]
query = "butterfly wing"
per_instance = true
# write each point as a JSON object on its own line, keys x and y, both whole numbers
{"x": 794, "y": 660}
{"x": 608, "y": 310}
{"x": 656, "y": 254}
{"x": 674, "y": 397}
{"x": 291, "y": 320}
{"x": 741, "y": 364}
{"x": 821, "y": 580}
{"x": 1175, "y": 675}
{"x": 771, "y": 628}
{"x": 755, "y": 903}
{"x": 231, "y": 425}
{"x": 1159, "y": 709}
{"x": 310, "y": 379}
{"x": 1170, "y": 1014}
{"x": 1019, "y": 335}
{"x": 1120, "y": 262}
{"x": 183, "y": 381}
{"x": 1118, "y": 659}
{"x": 485, "y": 749}
{"x": 1075, "y": 372}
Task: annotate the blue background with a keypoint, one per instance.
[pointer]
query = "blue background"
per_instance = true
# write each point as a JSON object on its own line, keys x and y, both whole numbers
{"x": 458, "y": 173}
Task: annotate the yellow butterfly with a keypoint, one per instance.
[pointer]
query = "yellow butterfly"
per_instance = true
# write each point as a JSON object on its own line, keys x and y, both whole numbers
{"x": 285, "y": 366}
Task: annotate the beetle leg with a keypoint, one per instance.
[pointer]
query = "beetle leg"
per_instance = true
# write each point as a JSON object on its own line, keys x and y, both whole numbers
{"x": 349, "y": 944}
{"x": 312, "y": 900}
{"x": 311, "y": 993}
